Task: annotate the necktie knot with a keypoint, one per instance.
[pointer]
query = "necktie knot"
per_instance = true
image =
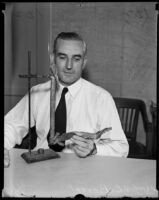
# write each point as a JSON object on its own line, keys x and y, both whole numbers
{"x": 64, "y": 91}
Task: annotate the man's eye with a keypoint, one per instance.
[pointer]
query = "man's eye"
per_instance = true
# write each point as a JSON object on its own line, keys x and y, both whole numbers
{"x": 77, "y": 59}
{"x": 62, "y": 57}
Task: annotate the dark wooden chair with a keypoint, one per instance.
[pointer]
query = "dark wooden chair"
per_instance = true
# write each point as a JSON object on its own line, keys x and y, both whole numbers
{"x": 129, "y": 110}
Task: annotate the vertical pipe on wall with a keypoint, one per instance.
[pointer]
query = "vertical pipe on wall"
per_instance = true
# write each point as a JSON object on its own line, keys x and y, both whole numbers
{"x": 36, "y": 39}
{"x": 8, "y": 61}
{"x": 50, "y": 31}
{"x": 157, "y": 167}
{"x": 122, "y": 52}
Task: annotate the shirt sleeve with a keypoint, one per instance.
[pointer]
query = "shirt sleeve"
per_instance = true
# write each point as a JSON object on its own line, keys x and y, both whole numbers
{"x": 16, "y": 122}
{"x": 113, "y": 142}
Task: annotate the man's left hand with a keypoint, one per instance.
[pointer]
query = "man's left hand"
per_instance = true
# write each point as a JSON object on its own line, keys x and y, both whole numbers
{"x": 83, "y": 147}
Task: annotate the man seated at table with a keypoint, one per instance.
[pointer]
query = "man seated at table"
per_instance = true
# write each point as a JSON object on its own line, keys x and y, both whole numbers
{"x": 89, "y": 108}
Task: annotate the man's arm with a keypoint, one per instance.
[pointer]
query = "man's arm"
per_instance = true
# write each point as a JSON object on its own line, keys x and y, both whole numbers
{"x": 16, "y": 126}
{"x": 112, "y": 142}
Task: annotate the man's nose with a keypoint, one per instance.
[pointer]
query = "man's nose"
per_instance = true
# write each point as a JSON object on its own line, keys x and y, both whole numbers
{"x": 69, "y": 64}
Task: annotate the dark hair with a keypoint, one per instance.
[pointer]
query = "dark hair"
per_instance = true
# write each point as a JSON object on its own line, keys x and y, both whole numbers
{"x": 69, "y": 36}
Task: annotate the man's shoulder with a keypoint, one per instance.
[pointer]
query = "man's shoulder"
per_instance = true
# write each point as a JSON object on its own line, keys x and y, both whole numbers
{"x": 96, "y": 89}
{"x": 41, "y": 86}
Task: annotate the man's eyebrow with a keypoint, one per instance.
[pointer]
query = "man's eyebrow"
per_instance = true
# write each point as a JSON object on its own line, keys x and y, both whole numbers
{"x": 61, "y": 54}
{"x": 77, "y": 55}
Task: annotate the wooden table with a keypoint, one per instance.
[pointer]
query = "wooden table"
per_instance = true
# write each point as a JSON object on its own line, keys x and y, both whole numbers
{"x": 96, "y": 176}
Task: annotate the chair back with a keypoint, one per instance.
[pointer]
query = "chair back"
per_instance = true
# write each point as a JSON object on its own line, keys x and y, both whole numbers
{"x": 129, "y": 110}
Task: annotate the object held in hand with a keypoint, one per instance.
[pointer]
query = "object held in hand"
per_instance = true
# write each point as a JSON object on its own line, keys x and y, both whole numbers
{"x": 69, "y": 135}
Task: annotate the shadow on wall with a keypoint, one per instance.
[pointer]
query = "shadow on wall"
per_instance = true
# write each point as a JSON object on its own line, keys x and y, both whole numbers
{"x": 85, "y": 74}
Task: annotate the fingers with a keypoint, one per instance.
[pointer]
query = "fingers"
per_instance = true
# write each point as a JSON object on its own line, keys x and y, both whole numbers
{"x": 82, "y": 142}
{"x": 78, "y": 140}
{"x": 61, "y": 143}
{"x": 82, "y": 146}
{"x": 56, "y": 140}
{"x": 6, "y": 158}
{"x": 57, "y": 134}
{"x": 79, "y": 151}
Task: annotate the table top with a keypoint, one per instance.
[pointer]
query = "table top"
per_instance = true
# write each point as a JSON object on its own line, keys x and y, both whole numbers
{"x": 69, "y": 175}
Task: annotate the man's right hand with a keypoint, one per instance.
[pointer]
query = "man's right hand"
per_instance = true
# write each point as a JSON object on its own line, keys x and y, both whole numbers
{"x": 6, "y": 158}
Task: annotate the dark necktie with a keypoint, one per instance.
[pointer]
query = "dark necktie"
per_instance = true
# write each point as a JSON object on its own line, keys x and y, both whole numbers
{"x": 60, "y": 119}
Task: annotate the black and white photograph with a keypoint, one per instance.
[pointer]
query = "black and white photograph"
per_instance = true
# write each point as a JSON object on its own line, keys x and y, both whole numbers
{"x": 80, "y": 99}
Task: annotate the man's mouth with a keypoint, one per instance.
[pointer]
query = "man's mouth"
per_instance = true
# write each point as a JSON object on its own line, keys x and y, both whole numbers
{"x": 68, "y": 73}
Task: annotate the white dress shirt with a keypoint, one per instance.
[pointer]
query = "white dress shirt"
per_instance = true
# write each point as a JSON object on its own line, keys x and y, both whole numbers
{"x": 90, "y": 108}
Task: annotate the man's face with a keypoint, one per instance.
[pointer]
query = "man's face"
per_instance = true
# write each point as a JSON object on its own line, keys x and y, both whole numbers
{"x": 69, "y": 60}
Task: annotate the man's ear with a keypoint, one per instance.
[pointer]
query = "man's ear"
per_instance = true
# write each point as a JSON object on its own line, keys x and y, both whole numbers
{"x": 52, "y": 62}
{"x": 84, "y": 63}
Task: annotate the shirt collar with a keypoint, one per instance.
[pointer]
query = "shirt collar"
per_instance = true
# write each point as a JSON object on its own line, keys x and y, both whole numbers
{"x": 74, "y": 88}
